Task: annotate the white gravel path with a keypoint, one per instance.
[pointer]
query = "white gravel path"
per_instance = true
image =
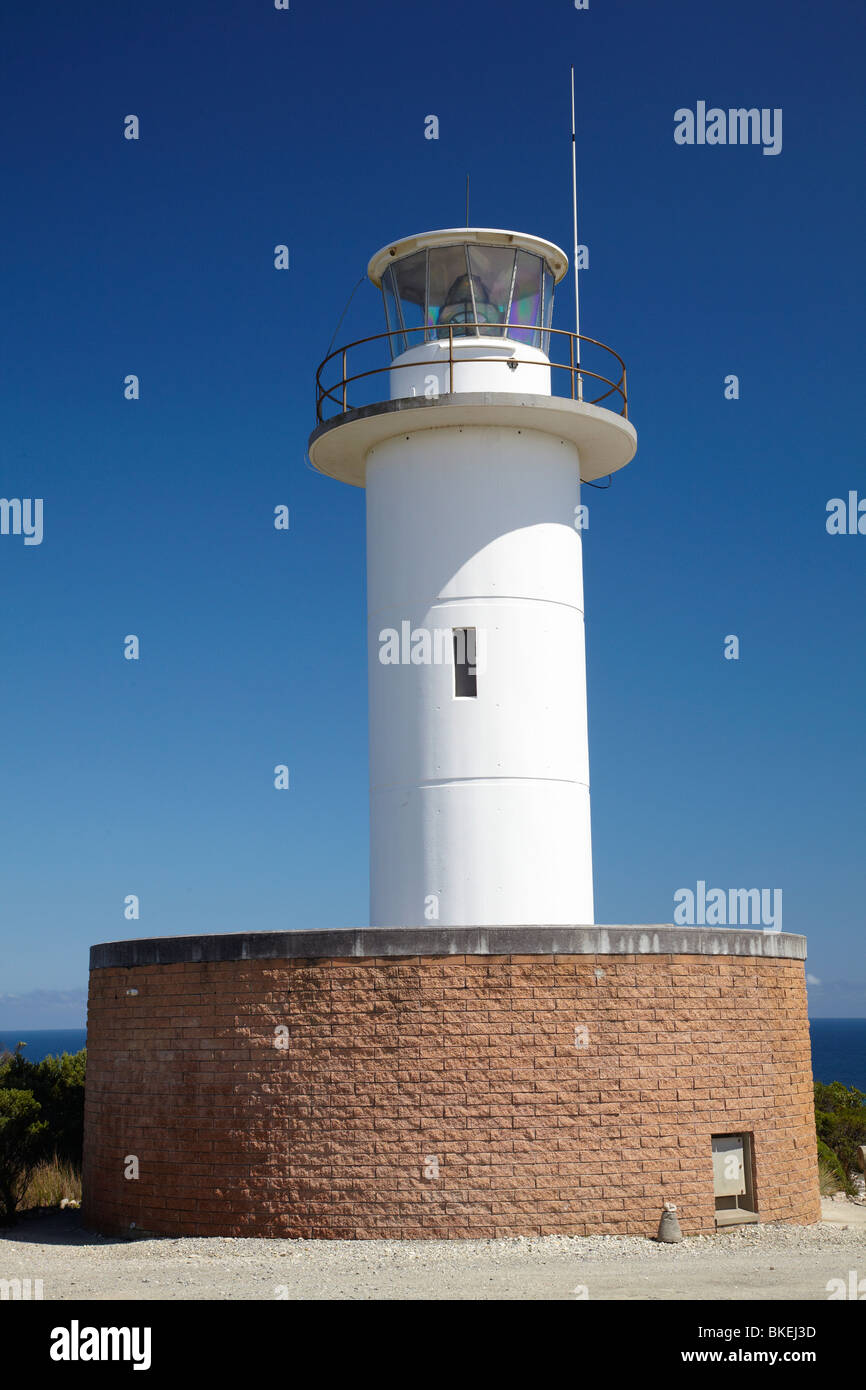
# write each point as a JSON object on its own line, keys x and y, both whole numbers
{"x": 748, "y": 1262}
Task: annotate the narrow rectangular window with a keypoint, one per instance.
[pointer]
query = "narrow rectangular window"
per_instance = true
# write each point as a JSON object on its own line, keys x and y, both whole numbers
{"x": 465, "y": 674}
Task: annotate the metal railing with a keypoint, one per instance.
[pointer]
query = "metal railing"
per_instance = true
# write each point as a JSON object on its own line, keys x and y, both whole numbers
{"x": 337, "y": 393}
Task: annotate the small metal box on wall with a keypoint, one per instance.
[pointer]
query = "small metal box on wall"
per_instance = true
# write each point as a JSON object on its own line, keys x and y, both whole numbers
{"x": 729, "y": 1165}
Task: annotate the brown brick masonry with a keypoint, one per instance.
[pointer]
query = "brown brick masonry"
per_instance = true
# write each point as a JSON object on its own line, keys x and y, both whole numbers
{"x": 541, "y": 1094}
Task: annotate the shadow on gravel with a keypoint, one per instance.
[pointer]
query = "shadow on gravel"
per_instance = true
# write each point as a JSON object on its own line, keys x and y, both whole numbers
{"x": 49, "y": 1226}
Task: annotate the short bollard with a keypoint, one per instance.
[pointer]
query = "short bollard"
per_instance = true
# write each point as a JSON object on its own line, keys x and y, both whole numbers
{"x": 669, "y": 1226}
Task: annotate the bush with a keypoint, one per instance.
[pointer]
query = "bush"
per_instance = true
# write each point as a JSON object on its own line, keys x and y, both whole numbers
{"x": 840, "y": 1122}
{"x": 23, "y": 1138}
{"x": 57, "y": 1084}
{"x": 41, "y": 1125}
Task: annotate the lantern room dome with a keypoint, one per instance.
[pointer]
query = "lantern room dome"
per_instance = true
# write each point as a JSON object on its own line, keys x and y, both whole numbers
{"x": 556, "y": 258}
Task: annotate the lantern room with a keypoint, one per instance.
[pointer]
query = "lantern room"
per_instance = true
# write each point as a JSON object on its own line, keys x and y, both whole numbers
{"x": 476, "y": 281}
{"x": 457, "y": 286}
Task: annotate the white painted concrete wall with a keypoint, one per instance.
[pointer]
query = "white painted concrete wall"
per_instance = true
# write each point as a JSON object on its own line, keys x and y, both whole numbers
{"x": 424, "y": 370}
{"x": 481, "y": 804}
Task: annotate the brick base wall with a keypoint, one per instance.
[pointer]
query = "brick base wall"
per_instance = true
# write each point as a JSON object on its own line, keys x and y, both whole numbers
{"x": 443, "y": 1096}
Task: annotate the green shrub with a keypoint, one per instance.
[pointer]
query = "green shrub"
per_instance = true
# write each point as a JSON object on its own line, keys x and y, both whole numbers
{"x": 23, "y": 1139}
{"x": 57, "y": 1084}
{"x": 840, "y": 1122}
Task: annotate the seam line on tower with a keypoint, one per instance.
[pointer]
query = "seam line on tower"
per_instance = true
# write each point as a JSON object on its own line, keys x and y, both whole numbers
{"x": 475, "y": 781}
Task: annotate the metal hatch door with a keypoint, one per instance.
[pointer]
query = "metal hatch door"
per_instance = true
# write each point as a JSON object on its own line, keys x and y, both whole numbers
{"x": 729, "y": 1165}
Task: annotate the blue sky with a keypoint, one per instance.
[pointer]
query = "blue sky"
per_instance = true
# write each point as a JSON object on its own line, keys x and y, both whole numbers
{"x": 155, "y": 257}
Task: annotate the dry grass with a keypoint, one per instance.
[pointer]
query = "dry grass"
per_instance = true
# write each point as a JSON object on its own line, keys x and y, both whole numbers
{"x": 828, "y": 1179}
{"x": 50, "y": 1183}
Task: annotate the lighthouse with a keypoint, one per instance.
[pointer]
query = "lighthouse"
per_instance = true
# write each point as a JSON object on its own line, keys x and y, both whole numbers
{"x": 471, "y": 423}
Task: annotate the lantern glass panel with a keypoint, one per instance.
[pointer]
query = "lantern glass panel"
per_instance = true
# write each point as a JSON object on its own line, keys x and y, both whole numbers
{"x": 410, "y": 275}
{"x": 397, "y": 342}
{"x": 524, "y": 319}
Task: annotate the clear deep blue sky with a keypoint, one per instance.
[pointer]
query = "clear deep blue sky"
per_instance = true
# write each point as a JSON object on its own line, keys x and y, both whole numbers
{"x": 155, "y": 257}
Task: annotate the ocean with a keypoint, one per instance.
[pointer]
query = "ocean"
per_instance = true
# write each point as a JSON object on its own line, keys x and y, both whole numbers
{"x": 43, "y": 1042}
{"x": 838, "y": 1047}
{"x": 839, "y": 1050}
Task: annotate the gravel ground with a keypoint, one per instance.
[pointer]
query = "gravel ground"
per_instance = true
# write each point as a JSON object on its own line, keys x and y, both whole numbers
{"x": 747, "y": 1262}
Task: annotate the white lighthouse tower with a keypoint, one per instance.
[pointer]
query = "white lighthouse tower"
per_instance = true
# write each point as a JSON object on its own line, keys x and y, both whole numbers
{"x": 472, "y": 444}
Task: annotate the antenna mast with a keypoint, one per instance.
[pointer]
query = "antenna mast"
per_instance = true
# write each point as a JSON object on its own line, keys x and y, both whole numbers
{"x": 574, "y": 204}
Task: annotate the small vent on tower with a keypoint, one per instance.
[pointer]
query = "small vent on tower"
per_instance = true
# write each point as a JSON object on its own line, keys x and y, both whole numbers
{"x": 465, "y": 671}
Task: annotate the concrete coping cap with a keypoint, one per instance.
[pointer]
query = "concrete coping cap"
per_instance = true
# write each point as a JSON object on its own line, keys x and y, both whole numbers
{"x": 342, "y": 942}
